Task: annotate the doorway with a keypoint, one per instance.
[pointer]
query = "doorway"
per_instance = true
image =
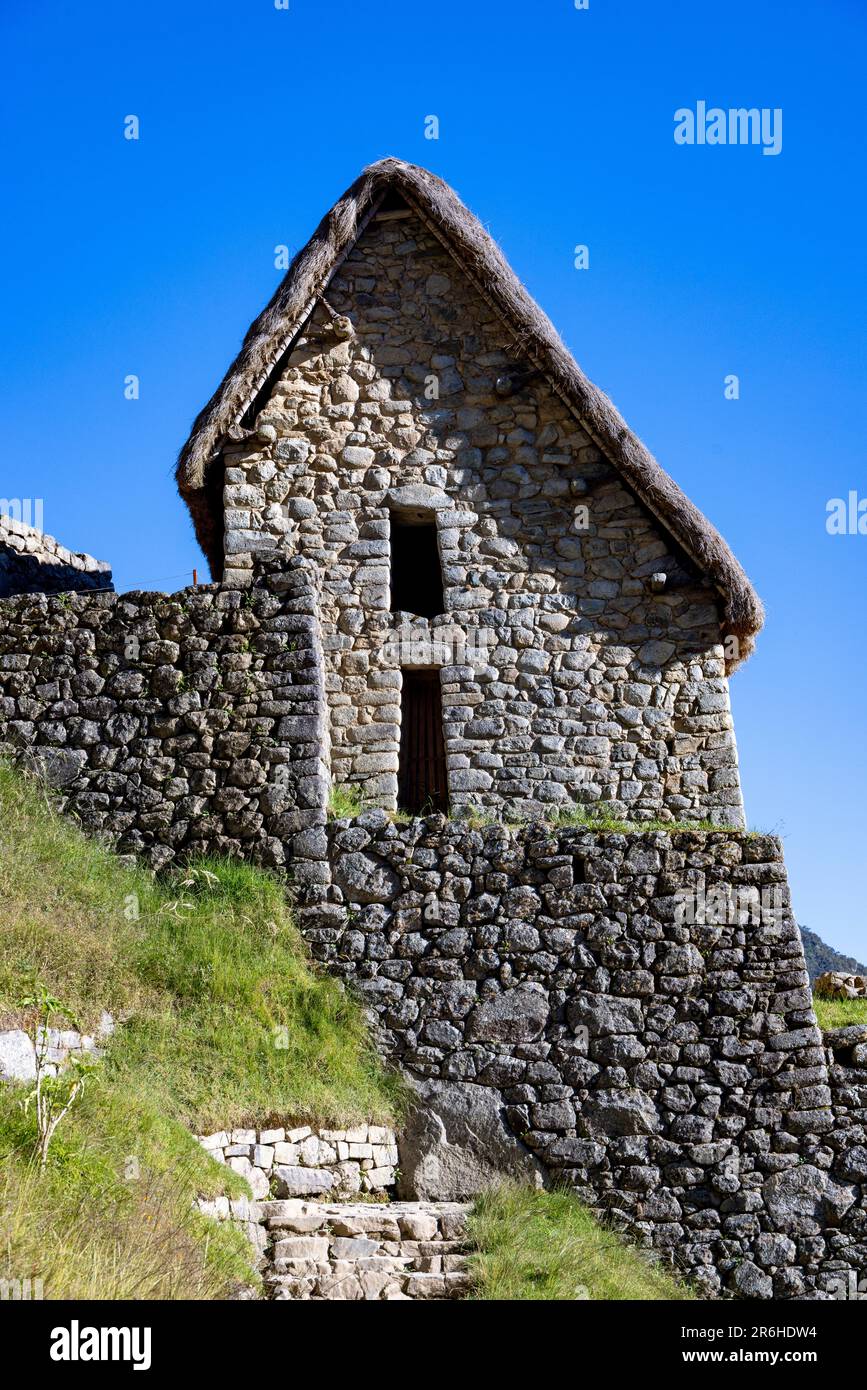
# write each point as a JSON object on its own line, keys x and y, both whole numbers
{"x": 422, "y": 779}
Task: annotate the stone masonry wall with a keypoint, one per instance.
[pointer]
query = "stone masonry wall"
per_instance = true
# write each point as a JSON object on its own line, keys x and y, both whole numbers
{"x": 18, "y": 1051}
{"x": 32, "y": 562}
{"x": 301, "y": 1162}
{"x": 570, "y": 670}
{"x": 846, "y": 1139}
{"x": 382, "y": 1252}
{"x": 317, "y": 1234}
{"x": 667, "y": 1067}
{"x": 671, "y": 1072}
{"x": 178, "y": 724}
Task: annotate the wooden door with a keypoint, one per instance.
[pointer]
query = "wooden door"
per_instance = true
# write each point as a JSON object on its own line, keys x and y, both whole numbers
{"x": 423, "y": 783}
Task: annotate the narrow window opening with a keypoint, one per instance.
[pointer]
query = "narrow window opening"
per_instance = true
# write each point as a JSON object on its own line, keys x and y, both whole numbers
{"x": 422, "y": 778}
{"x": 416, "y": 575}
{"x": 579, "y": 868}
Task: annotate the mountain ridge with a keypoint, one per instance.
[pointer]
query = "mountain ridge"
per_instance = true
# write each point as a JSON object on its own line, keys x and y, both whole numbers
{"x": 821, "y": 957}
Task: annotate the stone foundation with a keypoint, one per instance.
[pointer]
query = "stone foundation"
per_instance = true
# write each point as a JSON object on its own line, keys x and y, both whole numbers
{"x": 654, "y": 1048}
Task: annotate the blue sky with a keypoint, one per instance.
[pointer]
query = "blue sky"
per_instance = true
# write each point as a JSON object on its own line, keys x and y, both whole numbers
{"x": 556, "y": 127}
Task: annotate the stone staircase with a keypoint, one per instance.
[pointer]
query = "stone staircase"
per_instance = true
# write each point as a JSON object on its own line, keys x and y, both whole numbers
{"x": 364, "y": 1250}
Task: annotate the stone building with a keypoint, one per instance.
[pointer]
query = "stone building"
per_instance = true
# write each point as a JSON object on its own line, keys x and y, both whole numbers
{"x": 519, "y": 609}
{"x": 449, "y": 575}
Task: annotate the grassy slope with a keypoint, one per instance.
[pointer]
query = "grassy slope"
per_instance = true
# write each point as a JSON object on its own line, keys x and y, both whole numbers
{"x": 547, "y": 1246}
{"x": 202, "y": 973}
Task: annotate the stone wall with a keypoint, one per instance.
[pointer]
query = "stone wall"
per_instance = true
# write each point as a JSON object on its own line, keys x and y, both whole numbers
{"x": 316, "y": 1231}
{"x": 662, "y": 1061}
{"x": 405, "y": 1250}
{"x": 669, "y": 1070}
{"x": 299, "y": 1161}
{"x": 581, "y": 656}
{"x": 18, "y": 1058}
{"x": 353, "y": 1251}
{"x": 31, "y": 562}
{"x": 178, "y": 724}
{"x": 846, "y": 1139}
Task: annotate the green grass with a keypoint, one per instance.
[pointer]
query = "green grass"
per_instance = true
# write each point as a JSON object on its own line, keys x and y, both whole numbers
{"x": 597, "y": 816}
{"x": 223, "y": 1021}
{"x": 837, "y": 1013}
{"x": 344, "y": 803}
{"x": 477, "y": 817}
{"x": 546, "y": 1246}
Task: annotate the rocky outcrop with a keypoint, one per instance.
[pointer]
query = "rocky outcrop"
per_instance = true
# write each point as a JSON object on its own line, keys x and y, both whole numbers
{"x": 839, "y": 984}
{"x": 455, "y": 1143}
{"x": 821, "y": 957}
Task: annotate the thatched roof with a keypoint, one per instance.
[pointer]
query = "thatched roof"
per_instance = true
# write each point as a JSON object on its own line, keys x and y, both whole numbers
{"x": 483, "y": 262}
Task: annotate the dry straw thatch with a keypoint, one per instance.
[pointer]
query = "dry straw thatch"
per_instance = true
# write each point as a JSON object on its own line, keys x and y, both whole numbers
{"x": 535, "y": 337}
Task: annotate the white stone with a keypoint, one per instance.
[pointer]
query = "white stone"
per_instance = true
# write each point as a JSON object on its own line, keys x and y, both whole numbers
{"x": 17, "y": 1056}
{"x": 376, "y": 1178}
{"x": 316, "y": 1154}
{"x": 286, "y": 1153}
{"x": 302, "y": 1248}
{"x": 272, "y": 1136}
{"x": 353, "y": 1247}
{"x": 302, "y": 1180}
{"x": 259, "y": 1183}
{"x": 417, "y": 1225}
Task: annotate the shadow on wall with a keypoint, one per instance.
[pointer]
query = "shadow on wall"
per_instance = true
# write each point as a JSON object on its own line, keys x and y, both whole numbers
{"x": 27, "y": 575}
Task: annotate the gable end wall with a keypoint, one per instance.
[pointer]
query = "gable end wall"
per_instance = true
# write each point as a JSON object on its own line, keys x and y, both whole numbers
{"x": 565, "y": 676}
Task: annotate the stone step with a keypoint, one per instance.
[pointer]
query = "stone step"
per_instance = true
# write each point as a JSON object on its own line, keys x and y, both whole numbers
{"x": 329, "y": 1251}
